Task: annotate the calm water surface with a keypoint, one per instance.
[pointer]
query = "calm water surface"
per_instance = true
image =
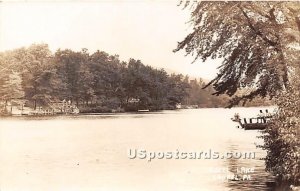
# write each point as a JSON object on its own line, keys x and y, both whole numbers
{"x": 90, "y": 152}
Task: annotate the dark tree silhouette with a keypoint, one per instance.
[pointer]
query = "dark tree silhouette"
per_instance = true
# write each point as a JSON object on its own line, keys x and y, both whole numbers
{"x": 256, "y": 39}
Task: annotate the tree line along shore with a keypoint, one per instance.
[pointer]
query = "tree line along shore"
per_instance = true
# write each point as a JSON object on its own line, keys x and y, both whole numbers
{"x": 33, "y": 77}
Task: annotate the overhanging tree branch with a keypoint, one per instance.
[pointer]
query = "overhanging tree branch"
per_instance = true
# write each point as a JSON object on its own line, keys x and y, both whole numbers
{"x": 256, "y": 31}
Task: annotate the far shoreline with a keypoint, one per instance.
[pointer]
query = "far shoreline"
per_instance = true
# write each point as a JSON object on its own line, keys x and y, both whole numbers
{"x": 119, "y": 113}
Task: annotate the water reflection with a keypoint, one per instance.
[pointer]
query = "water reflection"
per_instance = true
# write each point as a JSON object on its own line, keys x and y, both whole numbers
{"x": 89, "y": 152}
{"x": 250, "y": 172}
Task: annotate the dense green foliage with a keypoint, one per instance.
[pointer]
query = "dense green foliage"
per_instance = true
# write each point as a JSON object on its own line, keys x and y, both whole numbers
{"x": 96, "y": 82}
{"x": 256, "y": 40}
{"x": 203, "y": 97}
{"x": 259, "y": 42}
{"x": 282, "y": 137}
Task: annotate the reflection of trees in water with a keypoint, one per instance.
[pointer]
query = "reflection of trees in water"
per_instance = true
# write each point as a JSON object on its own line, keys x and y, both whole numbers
{"x": 260, "y": 179}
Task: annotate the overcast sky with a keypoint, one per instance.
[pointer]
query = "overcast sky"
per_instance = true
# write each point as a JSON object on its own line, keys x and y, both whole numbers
{"x": 140, "y": 29}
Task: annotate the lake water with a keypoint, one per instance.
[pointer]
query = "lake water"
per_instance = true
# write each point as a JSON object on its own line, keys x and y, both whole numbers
{"x": 90, "y": 152}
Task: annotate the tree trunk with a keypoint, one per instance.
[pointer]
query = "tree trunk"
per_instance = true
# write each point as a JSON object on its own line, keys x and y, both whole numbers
{"x": 5, "y": 106}
{"x": 22, "y": 109}
{"x": 298, "y": 22}
{"x": 11, "y": 107}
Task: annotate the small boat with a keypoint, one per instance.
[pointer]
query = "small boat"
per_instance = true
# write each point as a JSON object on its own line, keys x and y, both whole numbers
{"x": 254, "y": 126}
{"x": 254, "y": 123}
